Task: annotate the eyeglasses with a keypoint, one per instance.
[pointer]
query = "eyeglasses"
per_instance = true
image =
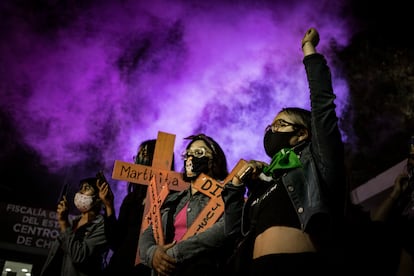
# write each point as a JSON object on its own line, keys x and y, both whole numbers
{"x": 198, "y": 153}
{"x": 279, "y": 124}
{"x": 205, "y": 138}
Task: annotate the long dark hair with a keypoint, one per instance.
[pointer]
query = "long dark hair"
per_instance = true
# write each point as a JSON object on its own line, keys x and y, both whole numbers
{"x": 219, "y": 168}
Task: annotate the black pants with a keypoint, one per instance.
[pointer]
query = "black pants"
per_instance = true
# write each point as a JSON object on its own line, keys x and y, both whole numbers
{"x": 291, "y": 264}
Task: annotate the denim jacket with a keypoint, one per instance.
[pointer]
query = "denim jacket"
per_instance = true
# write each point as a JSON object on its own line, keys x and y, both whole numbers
{"x": 205, "y": 248}
{"x": 318, "y": 186}
{"x": 80, "y": 252}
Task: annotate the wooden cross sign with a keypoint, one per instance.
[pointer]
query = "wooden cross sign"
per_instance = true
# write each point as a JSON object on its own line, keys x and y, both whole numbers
{"x": 215, "y": 207}
{"x": 159, "y": 173}
{"x": 160, "y": 170}
{"x": 156, "y": 200}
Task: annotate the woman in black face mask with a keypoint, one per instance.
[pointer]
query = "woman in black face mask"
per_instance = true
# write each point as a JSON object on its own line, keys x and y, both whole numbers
{"x": 205, "y": 252}
{"x": 197, "y": 159}
{"x": 293, "y": 202}
{"x": 284, "y": 132}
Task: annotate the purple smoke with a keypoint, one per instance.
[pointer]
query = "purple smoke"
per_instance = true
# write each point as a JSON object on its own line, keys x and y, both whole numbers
{"x": 114, "y": 73}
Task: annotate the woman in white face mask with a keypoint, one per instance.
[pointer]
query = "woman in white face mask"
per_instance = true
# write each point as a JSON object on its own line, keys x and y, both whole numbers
{"x": 86, "y": 199}
{"x": 82, "y": 244}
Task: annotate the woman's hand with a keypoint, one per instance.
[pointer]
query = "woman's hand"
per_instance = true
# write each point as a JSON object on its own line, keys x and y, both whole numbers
{"x": 310, "y": 41}
{"x": 163, "y": 263}
{"x": 400, "y": 184}
{"x": 63, "y": 214}
{"x": 251, "y": 170}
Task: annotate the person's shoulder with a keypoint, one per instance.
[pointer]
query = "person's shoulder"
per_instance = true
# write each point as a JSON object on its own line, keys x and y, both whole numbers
{"x": 132, "y": 198}
{"x": 175, "y": 195}
{"x": 100, "y": 218}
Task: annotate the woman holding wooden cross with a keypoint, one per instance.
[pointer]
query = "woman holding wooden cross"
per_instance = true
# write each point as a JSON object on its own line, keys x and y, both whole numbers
{"x": 205, "y": 252}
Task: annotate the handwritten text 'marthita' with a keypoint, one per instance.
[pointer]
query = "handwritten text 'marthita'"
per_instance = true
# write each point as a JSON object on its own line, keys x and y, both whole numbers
{"x": 147, "y": 175}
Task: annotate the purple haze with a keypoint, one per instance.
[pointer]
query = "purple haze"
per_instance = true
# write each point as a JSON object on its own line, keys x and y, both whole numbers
{"x": 117, "y": 72}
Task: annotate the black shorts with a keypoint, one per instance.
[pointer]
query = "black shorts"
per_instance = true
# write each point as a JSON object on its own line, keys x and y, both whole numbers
{"x": 308, "y": 263}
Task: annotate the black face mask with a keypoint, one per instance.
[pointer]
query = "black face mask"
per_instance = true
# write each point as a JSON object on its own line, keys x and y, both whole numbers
{"x": 199, "y": 165}
{"x": 273, "y": 142}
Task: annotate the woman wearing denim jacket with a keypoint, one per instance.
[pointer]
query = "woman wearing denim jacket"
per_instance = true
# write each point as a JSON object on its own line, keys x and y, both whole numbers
{"x": 205, "y": 252}
{"x": 82, "y": 246}
{"x": 295, "y": 201}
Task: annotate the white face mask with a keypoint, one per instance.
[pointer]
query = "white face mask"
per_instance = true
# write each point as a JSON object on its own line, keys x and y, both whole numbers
{"x": 83, "y": 202}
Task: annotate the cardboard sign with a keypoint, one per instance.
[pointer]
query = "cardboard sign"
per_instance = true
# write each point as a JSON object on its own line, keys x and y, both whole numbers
{"x": 155, "y": 214}
{"x": 215, "y": 207}
{"x": 159, "y": 172}
{"x": 141, "y": 174}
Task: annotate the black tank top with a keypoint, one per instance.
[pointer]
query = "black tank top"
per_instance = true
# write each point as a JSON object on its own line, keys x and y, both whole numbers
{"x": 273, "y": 208}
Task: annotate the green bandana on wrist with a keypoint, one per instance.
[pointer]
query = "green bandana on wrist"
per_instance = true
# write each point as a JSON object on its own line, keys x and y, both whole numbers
{"x": 284, "y": 159}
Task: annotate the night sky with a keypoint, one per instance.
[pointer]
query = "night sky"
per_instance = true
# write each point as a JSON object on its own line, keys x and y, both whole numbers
{"x": 82, "y": 83}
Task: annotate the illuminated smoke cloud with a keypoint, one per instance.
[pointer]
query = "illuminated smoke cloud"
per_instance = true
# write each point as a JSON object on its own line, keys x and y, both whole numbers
{"x": 109, "y": 75}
